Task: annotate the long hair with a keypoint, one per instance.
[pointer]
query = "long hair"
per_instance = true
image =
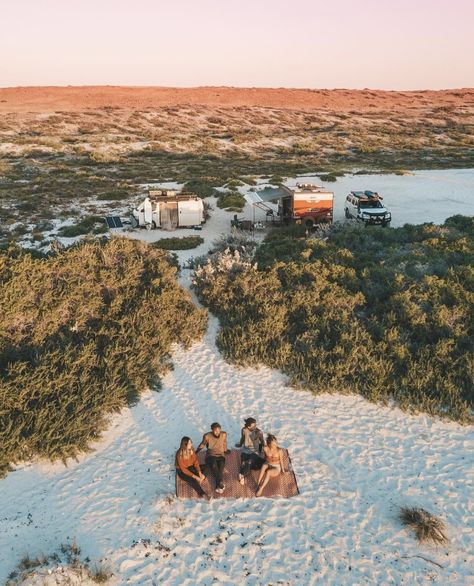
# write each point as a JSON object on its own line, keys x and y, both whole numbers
{"x": 183, "y": 446}
{"x": 270, "y": 438}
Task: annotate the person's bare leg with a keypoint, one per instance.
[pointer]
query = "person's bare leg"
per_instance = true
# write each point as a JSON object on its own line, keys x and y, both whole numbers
{"x": 271, "y": 473}
{"x": 263, "y": 469}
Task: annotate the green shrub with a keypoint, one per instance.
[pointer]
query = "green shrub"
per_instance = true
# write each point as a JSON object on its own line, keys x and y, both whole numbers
{"x": 234, "y": 183}
{"x": 113, "y": 195}
{"x": 176, "y": 243}
{"x": 276, "y": 180}
{"x": 328, "y": 178}
{"x": 87, "y": 225}
{"x": 232, "y": 201}
{"x": 202, "y": 187}
{"x": 92, "y": 329}
{"x": 386, "y": 313}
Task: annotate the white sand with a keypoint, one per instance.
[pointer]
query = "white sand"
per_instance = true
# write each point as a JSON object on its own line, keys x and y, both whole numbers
{"x": 421, "y": 196}
{"x": 355, "y": 463}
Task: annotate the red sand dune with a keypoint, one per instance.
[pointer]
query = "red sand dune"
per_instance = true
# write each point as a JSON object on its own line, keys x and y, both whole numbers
{"x": 50, "y": 99}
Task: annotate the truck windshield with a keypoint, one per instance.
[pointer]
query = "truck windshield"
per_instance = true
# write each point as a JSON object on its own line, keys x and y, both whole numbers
{"x": 370, "y": 204}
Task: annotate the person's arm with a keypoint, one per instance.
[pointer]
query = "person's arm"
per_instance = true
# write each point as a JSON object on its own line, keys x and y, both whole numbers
{"x": 203, "y": 444}
{"x": 261, "y": 442}
{"x": 242, "y": 439}
{"x": 196, "y": 464}
{"x": 182, "y": 467}
{"x": 282, "y": 467}
{"x": 226, "y": 451}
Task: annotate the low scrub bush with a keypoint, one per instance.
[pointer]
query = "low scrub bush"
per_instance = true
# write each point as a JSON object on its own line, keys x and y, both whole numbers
{"x": 328, "y": 178}
{"x": 427, "y": 527}
{"x": 202, "y": 187}
{"x": 176, "y": 243}
{"x": 232, "y": 201}
{"x": 87, "y": 225}
{"x": 228, "y": 244}
{"x": 386, "y": 313}
{"x": 114, "y": 195}
{"x": 82, "y": 332}
{"x": 65, "y": 566}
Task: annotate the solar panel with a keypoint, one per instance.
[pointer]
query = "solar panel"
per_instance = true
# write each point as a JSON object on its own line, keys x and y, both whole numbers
{"x": 114, "y": 222}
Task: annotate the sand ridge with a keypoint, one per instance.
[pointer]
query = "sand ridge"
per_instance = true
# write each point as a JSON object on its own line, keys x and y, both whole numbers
{"x": 70, "y": 98}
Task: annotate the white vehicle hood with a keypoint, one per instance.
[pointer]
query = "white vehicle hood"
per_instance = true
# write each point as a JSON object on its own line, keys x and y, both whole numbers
{"x": 374, "y": 211}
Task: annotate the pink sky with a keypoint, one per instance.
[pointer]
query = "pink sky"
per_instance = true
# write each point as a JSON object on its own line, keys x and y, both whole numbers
{"x": 387, "y": 44}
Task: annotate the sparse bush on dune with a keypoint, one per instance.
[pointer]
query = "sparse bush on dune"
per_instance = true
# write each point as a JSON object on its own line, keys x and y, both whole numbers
{"x": 203, "y": 187}
{"x": 82, "y": 333}
{"x": 65, "y": 566}
{"x": 428, "y": 528}
{"x": 231, "y": 201}
{"x": 114, "y": 195}
{"x": 383, "y": 313}
{"x": 177, "y": 243}
{"x": 106, "y": 156}
{"x": 87, "y": 225}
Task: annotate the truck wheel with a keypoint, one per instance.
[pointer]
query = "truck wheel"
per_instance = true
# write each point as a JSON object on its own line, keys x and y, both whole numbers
{"x": 153, "y": 225}
{"x": 309, "y": 223}
{"x": 347, "y": 214}
{"x": 386, "y": 224}
{"x": 134, "y": 222}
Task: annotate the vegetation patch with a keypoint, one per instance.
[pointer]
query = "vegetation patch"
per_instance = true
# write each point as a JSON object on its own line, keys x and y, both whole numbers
{"x": 386, "y": 313}
{"x": 176, "y": 243}
{"x": 231, "y": 201}
{"x": 87, "y": 225}
{"x": 92, "y": 328}
{"x": 63, "y": 567}
{"x": 328, "y": 177}
{"x": 203, "y": 187}
{"x": 428, "y": 528}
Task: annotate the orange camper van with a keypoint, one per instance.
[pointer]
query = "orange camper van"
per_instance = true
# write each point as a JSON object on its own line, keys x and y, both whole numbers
{"x": 306, "y": 204}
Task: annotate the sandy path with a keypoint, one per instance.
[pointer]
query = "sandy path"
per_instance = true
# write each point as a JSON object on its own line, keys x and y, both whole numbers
{"x": 355, "y": 462}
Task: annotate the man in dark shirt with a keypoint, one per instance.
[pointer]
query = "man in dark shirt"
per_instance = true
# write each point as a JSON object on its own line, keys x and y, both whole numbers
{"x": 251, "y": 442}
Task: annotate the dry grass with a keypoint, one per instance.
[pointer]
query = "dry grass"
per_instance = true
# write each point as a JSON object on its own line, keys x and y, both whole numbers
{"x": 427, "y": 527}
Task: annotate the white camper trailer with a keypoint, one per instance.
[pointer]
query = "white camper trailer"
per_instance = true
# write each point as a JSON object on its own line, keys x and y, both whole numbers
{"x": 169, "y": 210}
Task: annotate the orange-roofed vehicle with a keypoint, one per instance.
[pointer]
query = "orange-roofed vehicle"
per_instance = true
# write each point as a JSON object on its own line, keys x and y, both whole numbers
{"x": 306, "y": 204}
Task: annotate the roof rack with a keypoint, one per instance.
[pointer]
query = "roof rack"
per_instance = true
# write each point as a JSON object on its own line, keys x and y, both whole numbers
{"x": 367, "y": 194}
{"x": 309, "y": 186}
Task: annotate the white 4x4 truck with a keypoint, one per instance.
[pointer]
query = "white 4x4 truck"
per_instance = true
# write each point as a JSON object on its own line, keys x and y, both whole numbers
{"x": 367, "y": 207}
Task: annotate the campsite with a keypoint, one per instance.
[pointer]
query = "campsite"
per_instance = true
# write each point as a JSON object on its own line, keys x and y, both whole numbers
{"x": 236, "y": 293}
{"x": 119, "y": 500}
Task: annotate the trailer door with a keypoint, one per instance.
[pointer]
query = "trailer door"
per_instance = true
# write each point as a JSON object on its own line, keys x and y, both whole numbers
{"x": 189, "y": 213}
{"x": 147, "y": 211}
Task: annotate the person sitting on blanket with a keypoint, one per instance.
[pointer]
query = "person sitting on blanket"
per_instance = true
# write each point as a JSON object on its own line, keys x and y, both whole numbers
{"x": 273, "y": 465}
{"x": 188, "y": 468}
{"x": 216, "y": 443}
{"x": 251, "y": 442}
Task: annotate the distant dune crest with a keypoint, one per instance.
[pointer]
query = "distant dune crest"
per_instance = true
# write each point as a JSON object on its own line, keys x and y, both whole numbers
{"x": 46, "y": 99}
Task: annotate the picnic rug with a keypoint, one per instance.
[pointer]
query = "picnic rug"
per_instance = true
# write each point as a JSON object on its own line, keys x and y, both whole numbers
{"x": 283, "y": 485}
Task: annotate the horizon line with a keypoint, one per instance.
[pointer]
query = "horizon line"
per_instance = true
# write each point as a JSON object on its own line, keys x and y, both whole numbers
{"x": 233, "y": 87}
